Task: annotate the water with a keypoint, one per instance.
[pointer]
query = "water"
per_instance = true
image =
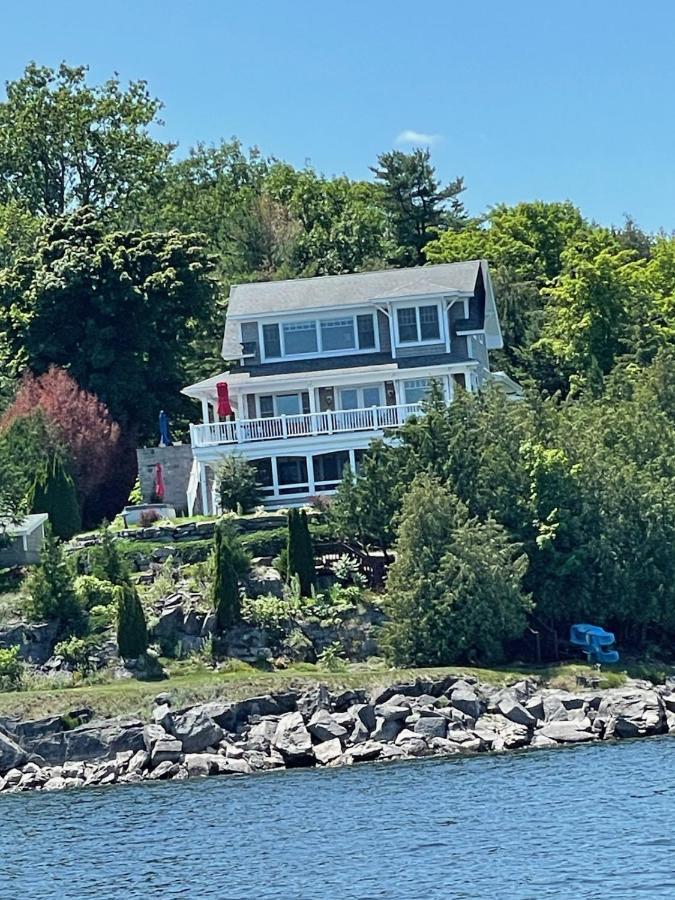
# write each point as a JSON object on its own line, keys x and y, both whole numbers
{"x": 590, "y": 821}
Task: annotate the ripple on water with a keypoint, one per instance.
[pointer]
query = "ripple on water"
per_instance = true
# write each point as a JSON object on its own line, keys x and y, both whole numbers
{"x": 591, "y": 821}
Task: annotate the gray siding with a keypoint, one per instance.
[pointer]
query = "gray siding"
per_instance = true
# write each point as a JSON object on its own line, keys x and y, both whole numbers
{"x": 423, "y": 350}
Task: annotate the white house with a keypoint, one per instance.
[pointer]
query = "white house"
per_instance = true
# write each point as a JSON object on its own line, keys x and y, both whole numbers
{"x": 322, "y": 366}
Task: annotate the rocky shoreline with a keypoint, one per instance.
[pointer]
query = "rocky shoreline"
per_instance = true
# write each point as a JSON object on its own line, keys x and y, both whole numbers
{"x": 441, "y": 717}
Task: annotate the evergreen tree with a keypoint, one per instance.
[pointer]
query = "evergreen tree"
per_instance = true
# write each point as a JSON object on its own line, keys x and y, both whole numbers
{"x": 50, "y": 589}
{"x": 54, "y": 493}
{"x": 300, "y": 552}
{"x": 106, "y": 560}
{"x": 454, "y": 591}
{"x": 229, "y": 562}
{"x": 132, "y": 629}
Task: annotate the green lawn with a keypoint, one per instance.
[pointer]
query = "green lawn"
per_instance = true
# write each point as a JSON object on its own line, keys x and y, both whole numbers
{"x": 193, "y": 682}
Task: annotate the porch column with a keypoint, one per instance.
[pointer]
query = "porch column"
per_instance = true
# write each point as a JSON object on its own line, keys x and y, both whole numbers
{"x": 392, "y": 334}
{"x": 204, "y": 490}
{"x": 275, "y": 477}
{"x": 205, "y": 410}
{"x": 352, "y": 461}
{"x": 312, "y": 408}
{"x": 399, "y": 393}
{"x": 310, "y": 474}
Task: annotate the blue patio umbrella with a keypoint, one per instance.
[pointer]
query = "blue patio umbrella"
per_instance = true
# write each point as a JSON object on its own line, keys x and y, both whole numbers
{"x": 164, "y": 433}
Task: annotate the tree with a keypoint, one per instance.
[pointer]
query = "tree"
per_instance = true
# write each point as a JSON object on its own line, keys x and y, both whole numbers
{"x": 229, "y": 563}
{"x": 50, "y": 589}
{"x": 132, "y": 630}
{"x": 417, "y": 206}
{"x": 300, "y": 552}
{"x": 106, "y": 560}
{"x": 64, "y": 143}
{"x": 454, "y": 591}
{"x": 117, "y": 310}
{"x": 84, "y": 426}
{"x": 237, "y": 484}
{"x": 54, "y": 493}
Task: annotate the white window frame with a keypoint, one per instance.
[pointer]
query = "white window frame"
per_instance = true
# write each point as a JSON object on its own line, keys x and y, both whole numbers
{"x": 274, "y": 395}
{"x": 359, "y": 388}
{"x": 416, "y": 306}
{"x": 413, "y": 381}
{"x": 331, "y": 316}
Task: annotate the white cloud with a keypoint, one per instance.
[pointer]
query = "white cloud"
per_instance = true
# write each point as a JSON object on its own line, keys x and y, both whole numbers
{"x": 418, "y": 137}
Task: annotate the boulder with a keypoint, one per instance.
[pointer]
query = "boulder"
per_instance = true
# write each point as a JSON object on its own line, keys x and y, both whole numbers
{"x": 11, "y": 754}
{"x": 344, "y": 701}
{"x": 364, "y": 722}
{"x": 390, "y": 711}
{"x": 327, "y": 751}
{"x": 170, "y": 622}
{"x": 632, "y": 714}
{"x": 197, "y": 764}
{"x": 292, "y": 739}
{"x": 163, "y": 771}
{"x": 511, "y": 709}
{"x": 386, "y": 729}
{"x": 564, "y": 732}
{"x": 166, "y": 750}
{"x": 323, "y": 726}
{"x": 138, "y": 762}
{"x": 193, "y": 623}
{"x": 312, "y": 701}
{"x": 365, "y": 751}
{"x": 467, "y": 701}
{"x": 196, "y": 730}
{"x": 263, "y": 581}
{"x": 152, "y": 734}
{"x": 431, "y": 726}
{"x": 57, "y": 783}
{"x": 102, "y": 740}
{"x": 161, "y": 715}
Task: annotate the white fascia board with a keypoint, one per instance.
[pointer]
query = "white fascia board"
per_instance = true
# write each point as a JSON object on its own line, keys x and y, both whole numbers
{"x": 305, "y": 446}
{"x": 493, "y": 331}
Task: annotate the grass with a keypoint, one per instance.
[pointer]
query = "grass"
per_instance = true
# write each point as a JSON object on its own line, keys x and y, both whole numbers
{"x": 192, "y": 681}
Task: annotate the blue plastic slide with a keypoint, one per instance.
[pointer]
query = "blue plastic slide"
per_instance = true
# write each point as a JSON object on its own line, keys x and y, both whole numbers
{"x": 594, "y": 641}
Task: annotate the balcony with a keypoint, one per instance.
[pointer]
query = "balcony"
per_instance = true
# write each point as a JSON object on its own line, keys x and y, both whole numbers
{"x": 247, "y": 431}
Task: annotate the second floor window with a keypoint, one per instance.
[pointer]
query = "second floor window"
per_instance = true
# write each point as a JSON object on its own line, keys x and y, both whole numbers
{"x": 299, "y": 338}
{"x": 319, "y": 336}
{"x": 417, "y": 324}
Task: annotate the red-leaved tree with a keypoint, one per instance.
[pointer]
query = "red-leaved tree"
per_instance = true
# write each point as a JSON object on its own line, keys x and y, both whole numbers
{"x": 93, "y": 438}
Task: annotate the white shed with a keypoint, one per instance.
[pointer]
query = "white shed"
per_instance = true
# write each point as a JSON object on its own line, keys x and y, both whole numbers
{"x": 25, "y": 540}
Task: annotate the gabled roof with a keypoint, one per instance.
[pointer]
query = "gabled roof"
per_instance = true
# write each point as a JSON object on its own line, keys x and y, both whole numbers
{"x": 25, "y": 527}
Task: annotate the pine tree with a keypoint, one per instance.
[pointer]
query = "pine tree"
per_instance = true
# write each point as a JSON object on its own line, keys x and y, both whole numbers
{"x": 300, "y": 552}
{"x": 106, "y": 561}
{"x": 50, "y": 588}
{"x": 228, "y": 562}
{"x": 132, "y": 629}
{"x": 54, "y": 493}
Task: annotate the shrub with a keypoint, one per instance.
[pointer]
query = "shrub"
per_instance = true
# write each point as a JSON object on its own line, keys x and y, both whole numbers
{"x": 51, "y": 591}
{"x": 147, "y": 517}
{"x": 75, "y": 651}
{"x": 237, "y": 484}
{"x": 101, "y": 618}
{"x": 107, "y": 562}
{"x": 332, "y": 658}
{"x": 92, "y": 591}
{"x": 54, "y": 493}
{"x": 132, "y": 630}
{"x": 300, "y": 555}
{"x": 346, "y": 570}
{"x": 11, "y": 669}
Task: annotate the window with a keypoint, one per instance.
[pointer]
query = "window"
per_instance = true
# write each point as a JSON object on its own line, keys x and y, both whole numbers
{"x": 319, "y": 336}
{"x": 266, "y": 406}
{"x": 365, "y": 326}
{"x": 418, "y": 323}
{"x": 360, "y": 397}
{"x": 349, "y": 398}
{"x": 337, "y": 334}
{"x": 371, "y": 396}
{"x": 292, "y": 470}
{"x": 429, "y": 328}
{"x": 271, "y": 341}
{"x": 407, "y": 325}
{"x": 328, "y": 467}
{"x": 416, "y": 391}
{"x": 288, "y": 405}
{"x": 263, "y": 469}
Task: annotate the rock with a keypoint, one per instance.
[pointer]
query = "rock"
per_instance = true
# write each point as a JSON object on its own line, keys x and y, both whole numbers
{"x": 166, "y": 750}
{"x": 513, "y": 711}
{"x": 264, "y": 580}
{"x": 467, "y": 701}
{"x": 102, "y": 740}
{"x": 365, "y": 751}
{"x": 632, "y": 714}
{"x": 431, "y": 726}
{"x": 466, "y": 741}
{"x": 391, "y": 751}
{"x": 347, "y": 699}
{"x": 323, "y": 726}
{"x": 260, "y": 735}
{"x": 197, "y": 764}
{"x": 13, "y": 777}
{"x": 564, "y": 732}
{"x": 390, "y": 711}
{"x": 364, "y": 722}
{"x": 386, "y": 730}
{"x": 163, "y": 699}
{"x": 234, "y": 766}
{"x": 541, "y": 742}
{"x": 443, "y": 745}
{"x": 312, "y": 701}
{"x": 170, "y": 622}
{"x": 164, "y": 770}
{"x": 54, "y": 784}
{"x": 138, "y": 762}
{"x": 152, "y": 734}
{"x": 11, "y": 754}
{"x": 196, "y": 730}
{"x": 327, "y": 751}
{"x": 161, "y": 715}
{"x": 193, "y": 623}
{"x": 293, "y": 740}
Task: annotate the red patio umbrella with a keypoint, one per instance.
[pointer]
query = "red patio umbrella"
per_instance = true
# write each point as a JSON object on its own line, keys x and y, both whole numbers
{"x": 224, "y": 405}
{"x": 159, "y": 481}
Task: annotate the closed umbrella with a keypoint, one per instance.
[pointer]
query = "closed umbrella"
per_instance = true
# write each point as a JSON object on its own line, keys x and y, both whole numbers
{"x": 159, "y": 482}
{"x": 164, "y": 433}
{"x": 224, "y": 405}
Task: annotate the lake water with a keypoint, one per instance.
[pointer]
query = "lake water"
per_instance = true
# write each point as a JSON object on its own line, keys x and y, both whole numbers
{"x": 590, "y": 821}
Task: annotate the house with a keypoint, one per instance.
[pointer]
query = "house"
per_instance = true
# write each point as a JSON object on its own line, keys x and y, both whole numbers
{"x": 20, "y": 544}
{"x": 322, "y": 366}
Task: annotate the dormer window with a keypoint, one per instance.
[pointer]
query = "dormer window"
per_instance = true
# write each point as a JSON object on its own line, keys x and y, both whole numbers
{"x": 417, "y": 324}
{"x": 300, "y": 338}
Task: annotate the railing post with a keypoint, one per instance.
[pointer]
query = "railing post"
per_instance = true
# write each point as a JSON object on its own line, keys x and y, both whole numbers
{"x": 193, "y": 441}
{"x": 284, "y": 426}
{"x": 237, "y": 431}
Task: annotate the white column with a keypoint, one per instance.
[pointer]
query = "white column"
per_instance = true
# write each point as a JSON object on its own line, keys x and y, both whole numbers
{"x": 275, "y": 477}
{"x": 352, "y": 460}
{"x": 310, "y": 474}
{"x": 205, "y": 410}
{"x": 203, "y": 486}
{"x": 392, "y": 335}
{"x": 398, "y": 388}
{"x": 312, "y": 408}
{"x": 446, "y": 324}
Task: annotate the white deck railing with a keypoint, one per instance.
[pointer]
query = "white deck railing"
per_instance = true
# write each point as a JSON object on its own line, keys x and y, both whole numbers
{"x": 244, "y": 431}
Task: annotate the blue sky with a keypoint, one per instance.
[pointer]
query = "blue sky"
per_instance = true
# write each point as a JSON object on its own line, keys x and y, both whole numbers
{"x": 569, "y": 100}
